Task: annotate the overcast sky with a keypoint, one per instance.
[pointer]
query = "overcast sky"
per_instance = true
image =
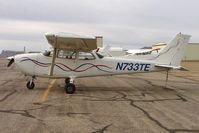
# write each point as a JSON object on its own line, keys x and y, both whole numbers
{"x": 125, "y": 23}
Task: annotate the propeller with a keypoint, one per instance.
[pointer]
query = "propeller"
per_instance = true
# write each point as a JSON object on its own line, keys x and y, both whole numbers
{"x": 11, "y": 61}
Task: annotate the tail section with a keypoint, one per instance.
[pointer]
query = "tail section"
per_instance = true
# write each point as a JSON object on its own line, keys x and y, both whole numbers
{"x": 173, "y": 53}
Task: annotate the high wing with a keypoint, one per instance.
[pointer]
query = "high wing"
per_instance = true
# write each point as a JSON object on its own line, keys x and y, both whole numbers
{"x": 71, "y": 42}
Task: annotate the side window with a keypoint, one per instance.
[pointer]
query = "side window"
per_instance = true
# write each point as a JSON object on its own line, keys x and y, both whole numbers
{"x": 71, "y": 55}
{"x": 86, "y": 56}
{"x": 66, "y": 54}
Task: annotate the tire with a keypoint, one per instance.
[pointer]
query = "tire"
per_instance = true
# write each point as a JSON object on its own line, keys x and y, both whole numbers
{"x": 69, "y": 88}
{"x": 30, "y": 86}
{"x": 67, "y": 80}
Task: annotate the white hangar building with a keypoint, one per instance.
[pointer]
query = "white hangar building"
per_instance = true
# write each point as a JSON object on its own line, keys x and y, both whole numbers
{"x": 191, "y": 53}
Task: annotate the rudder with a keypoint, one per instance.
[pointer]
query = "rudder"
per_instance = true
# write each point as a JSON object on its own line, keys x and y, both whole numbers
{"x": 173, "y": 53}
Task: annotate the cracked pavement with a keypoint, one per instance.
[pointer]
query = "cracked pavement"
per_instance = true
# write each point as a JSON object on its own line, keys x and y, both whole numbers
{"x": 138, "y": 103}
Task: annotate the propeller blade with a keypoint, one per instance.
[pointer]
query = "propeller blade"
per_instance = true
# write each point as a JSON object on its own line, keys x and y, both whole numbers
{"x": 10, "y": 62}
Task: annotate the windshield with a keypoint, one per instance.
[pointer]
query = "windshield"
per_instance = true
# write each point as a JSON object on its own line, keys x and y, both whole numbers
{"x": 46, "y": 53}
{"x": 99, "y": 55}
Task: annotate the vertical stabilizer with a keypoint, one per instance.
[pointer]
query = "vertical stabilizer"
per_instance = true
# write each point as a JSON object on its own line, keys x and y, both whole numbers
{"x": 173, "y": 53}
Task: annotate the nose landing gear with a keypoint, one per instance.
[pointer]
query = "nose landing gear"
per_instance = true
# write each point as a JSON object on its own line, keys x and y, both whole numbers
{"x": 30, "y": 84}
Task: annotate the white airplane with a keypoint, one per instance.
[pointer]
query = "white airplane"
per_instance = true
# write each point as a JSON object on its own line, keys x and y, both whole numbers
{"x": 60, "y": 65}
{"x": 141, "y": 51}
{"x": 111, "y": 51}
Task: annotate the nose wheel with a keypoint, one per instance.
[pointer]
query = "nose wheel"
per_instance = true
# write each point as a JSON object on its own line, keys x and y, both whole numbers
{"x": 30, "y": 84}
{"x": 69, "y": 87}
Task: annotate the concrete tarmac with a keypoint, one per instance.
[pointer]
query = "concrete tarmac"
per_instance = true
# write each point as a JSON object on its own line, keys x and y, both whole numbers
{"x": 137, "y": 103}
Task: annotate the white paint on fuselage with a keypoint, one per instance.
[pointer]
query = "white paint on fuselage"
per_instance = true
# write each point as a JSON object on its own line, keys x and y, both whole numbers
{"x": 39, "y": 65}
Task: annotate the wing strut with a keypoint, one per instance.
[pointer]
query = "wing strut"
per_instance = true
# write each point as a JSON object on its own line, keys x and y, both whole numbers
{"x": 53, "y": 61}
{"x": 54, "y": 56}
{"x": 167, "y": 77}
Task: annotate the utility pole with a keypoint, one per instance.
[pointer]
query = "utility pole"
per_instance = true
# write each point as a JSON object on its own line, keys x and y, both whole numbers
{"x": 24, "y": 49}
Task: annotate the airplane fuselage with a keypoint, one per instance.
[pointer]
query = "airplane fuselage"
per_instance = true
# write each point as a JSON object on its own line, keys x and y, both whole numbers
{"x": 39, "y": 65}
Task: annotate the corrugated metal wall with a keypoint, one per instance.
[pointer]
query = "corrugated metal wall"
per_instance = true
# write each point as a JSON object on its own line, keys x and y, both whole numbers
{"x": 192, "y": 52}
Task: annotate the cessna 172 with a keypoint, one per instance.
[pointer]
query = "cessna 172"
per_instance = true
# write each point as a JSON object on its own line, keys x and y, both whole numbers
{"x": 57, "y": 65}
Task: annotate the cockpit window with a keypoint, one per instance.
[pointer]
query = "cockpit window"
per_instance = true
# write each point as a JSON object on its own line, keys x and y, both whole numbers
{"x": 47, "y": 53}
{"x": 72, "y": 55}
{"x": 66, "y": 54}
{"x": 86, "y": 56}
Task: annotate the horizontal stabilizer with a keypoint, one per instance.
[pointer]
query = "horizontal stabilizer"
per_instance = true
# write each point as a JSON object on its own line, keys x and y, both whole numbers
{"x": 171, "y": 67}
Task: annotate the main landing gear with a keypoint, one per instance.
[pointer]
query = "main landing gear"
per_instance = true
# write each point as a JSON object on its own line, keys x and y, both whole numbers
{"x": 69, "y": 87}
{"x": 30, "y": 84}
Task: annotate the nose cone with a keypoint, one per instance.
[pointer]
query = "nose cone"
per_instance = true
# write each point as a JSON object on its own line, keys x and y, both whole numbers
{"x": 26, "y": 63}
